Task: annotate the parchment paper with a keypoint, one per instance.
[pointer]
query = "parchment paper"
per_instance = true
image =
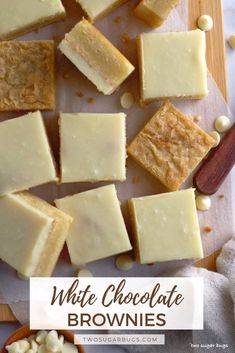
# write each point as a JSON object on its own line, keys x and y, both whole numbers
{"x": 70, "y": 83}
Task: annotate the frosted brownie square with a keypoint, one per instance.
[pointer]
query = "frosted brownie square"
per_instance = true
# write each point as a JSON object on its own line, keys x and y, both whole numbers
{"x": 170, "y": 146}
{"x": 172, "y": 65}
{"x": 166, "y": 227}
{"x": 19, "y": 17}
{"x": 25, "y": 160}
{"x": 32, "y": 234}
{"x": 99, "y": 8}
{"x": 100, "y": 144}
{"x": 98, "y": 230}
{"x": 155, "y": 12}
{"x": 96, "y": 57}
{"x": 27, "y": 78}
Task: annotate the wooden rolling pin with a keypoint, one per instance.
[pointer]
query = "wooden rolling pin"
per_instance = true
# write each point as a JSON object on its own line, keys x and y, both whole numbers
{"x": 216, "y": 167}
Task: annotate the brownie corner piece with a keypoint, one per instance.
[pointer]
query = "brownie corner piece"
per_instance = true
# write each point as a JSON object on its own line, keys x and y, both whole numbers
{"x": 170, "y": 146}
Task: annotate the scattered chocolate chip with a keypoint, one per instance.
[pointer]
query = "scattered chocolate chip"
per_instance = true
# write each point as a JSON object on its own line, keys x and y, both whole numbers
{"x": 118, "y": 19}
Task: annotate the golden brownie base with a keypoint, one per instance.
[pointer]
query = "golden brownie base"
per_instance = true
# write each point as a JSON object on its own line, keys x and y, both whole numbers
{"x": 33, "y": 26}
{"x": 27, "y": 77}
{"x": 96, "y": 57}
{"x": 57, "y": 236}
{"x": 155, "y": 12}
{"x": 135, "y": 240}
{"x": 170, "y": 146}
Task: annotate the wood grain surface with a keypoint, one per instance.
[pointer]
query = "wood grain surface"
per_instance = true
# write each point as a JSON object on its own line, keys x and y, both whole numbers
{"x": 216, "y": 60}
{"x": 6, "y": 314}
{"x": 216, "y": 54}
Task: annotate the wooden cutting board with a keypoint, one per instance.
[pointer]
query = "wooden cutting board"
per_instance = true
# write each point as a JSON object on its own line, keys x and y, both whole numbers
{"x": 216, "y": 59}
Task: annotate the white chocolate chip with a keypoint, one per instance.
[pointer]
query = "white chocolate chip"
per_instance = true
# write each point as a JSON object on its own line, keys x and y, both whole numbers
{"x": 124, "y": 262}
{"x": 41, "y": 337}
{"x": 127, "y": 100}
{"x": 13, "y": 348}
{"x": 216, "y": 136}
{"x": 69, "y": 348}
{"x": 24, "y": 345}
{"x": 203, "y": 202}
{"x": 232, "y": 41}
{"x": 53, "y": 343}
{"x": 61, "y": 338}
{"x": 34, "y": 345}
{"x": 205, "y": 22}
{"x": 85, "y": 273}
{"x": 222, "y": 123}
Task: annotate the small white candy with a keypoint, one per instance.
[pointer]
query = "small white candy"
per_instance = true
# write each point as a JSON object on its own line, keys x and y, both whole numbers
{"x": 24, "y": 345}
{"x": 127, "y": 100}
{"x": 85, "y": 273}
{"x": 52, "y": 341}
{"x": 205, "y": 22}
{"x": 232, "y": 41}
{"x": 124, "y": 262}
{"x": 13, "y": 348}
{"x": 69, "y": 348}
{"x": 216, "y": 136}
{"x": 197, "y": 118}
{"x": 61, "y": 339}
{"x": 222, "y": 123}
{"x": 41, "y": 336}
{"x": 34, "y": 345}
{"x": 203, "y": 202}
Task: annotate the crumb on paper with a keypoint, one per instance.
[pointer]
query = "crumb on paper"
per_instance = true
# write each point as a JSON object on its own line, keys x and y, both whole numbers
{"x": 221, "y": 196}
{"x": 118, "y": 19}
{"x": 197, "y": 118}
{"x": 80, "y": 94}
{"x": 91, "y": 100}
{"x": 207, "y": 229}
{"x": 66, "y": 76}
{"x": 126, "y": 38}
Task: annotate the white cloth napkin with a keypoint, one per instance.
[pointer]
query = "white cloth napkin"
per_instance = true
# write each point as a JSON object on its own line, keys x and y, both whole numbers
{"x": 219, "y": 320}
{"x": 226, "y": 266}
